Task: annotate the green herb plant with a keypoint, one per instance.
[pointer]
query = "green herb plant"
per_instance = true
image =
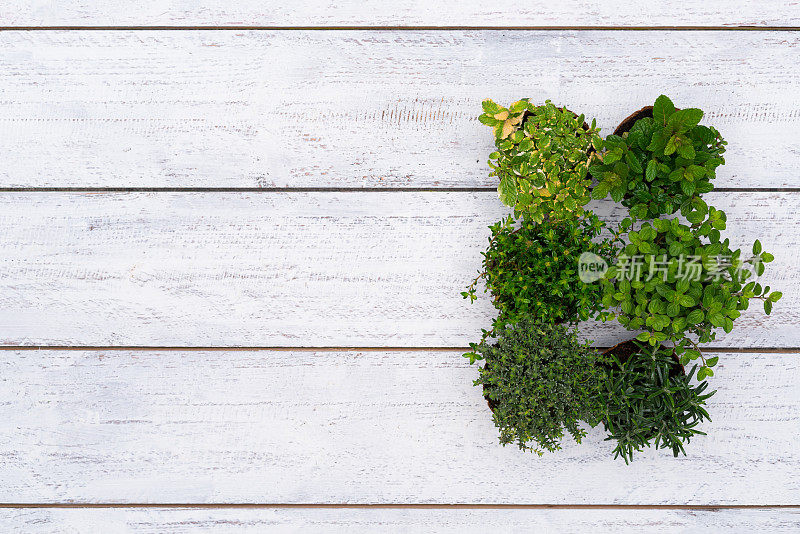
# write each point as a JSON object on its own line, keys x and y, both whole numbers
{"x": 531, "y": 270}
{"x": 677, "y": 281}
{"x": 675, "y": 278}
{"x": 662, "y": 164}
{"x": 648, "y": 398}
{"x": 542, "y": 158}
{"x": 541, "y": 381}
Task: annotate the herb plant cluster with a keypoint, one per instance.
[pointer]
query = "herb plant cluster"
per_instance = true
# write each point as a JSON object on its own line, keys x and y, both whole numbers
{"x": 674, "y": 277}
{"x": 541, "y": 381}
{"x": 694, "y": 281}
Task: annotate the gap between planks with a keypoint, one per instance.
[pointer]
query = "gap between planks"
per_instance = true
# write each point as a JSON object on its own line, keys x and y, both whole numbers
{"x": 401, "y": 506}
{"x": 730, "y": 350}
{"x": 480, "y": 189}
{"x": 404, "y": 28}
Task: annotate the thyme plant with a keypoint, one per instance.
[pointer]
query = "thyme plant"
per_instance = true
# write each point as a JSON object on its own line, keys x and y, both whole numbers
{"x": 531, "y": 270}
{"x": 541, "y": 381}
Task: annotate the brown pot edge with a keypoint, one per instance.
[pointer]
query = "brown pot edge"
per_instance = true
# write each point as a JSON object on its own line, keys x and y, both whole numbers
{"x": 628, "y": 122}
{"x": 631, "y": 341}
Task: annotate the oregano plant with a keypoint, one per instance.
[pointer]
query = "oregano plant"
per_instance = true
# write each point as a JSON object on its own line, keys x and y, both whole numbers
{"x": 679, "y": 282}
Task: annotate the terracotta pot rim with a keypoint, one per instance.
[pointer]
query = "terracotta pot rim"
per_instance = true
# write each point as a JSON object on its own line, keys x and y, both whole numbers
{"x": 628, "y": 122}
{"x": 632, "y": 342}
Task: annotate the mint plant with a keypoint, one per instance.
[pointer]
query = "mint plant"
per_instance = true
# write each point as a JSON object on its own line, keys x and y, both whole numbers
{"x": 662, "y": 164}
{"x": 541, "y": 381}
{"x": 531, "y": 270}
{"x": 678, "y": 281}
{"x": 542, "y": 158}
{"x": 648, "y": 399}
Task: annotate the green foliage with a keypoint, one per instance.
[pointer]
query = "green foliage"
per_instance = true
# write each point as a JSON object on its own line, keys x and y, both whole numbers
{"x": 648, "y": 399}
{"x": 541, "y": 381}
{"x": 532, "y": 270}
{"x": 542, "y": 158}
{"x": 662, "y": 164}
{"x": 673, "y": 280}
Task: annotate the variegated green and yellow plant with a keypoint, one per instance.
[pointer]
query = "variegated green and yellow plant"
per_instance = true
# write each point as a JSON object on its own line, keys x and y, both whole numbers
{"x": 542, "y": 158}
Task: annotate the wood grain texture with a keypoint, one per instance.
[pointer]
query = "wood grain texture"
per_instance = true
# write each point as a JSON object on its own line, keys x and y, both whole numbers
{"x": 363, "y": 108}
{"x": 391, "y": 521}
{"x": 298, "y": 269}
{"x": 355, "y": 427}
{"x": 399, "y": 13}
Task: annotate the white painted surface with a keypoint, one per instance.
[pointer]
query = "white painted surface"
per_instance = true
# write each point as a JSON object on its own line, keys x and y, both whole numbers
{"x": 355, "y": 427}
{"x": 363, "y": 108}
{"x": 393, "y": 521}
{"x": 400, "y": 13}
{"x": 297, "y": 269}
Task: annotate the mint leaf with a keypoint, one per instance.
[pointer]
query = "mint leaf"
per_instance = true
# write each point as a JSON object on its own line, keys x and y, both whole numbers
{"x": 662, "y": 109}
{"x": 650, "y": 173}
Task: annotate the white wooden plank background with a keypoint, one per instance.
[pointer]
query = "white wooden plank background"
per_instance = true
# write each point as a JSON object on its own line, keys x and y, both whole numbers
{"x": 354, "y": 427}
{"x": 394, "y": 521}
{"x": 363, "y": 108}
{"x": 297, "y": 269}
{"x": 400, "y": 13}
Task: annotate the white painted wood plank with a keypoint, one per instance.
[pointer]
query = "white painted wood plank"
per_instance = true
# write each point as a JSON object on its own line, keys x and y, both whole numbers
{"x": 363, "y": 108}
{"x": 297, "y": 269}
{"x": 400, "y": 13}
{"x": 354, "y": 427}
{"x": 400, "y": 521}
